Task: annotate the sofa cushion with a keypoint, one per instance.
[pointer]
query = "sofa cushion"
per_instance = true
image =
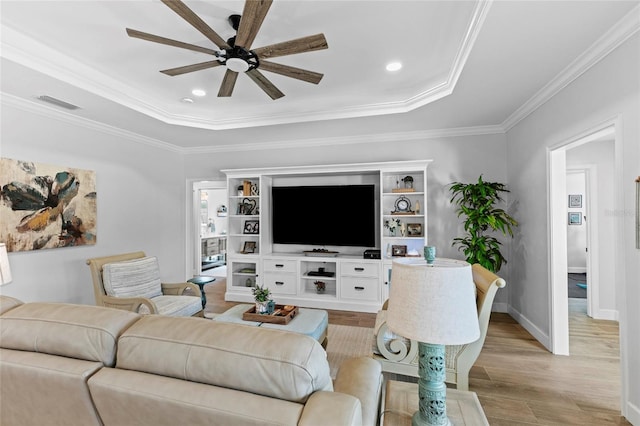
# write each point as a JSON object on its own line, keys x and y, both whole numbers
{"x": 178, "y": 306}
{"x": 75, "y": 331}
{"x": 268, "y": 362}
{"x": 132, "y": 278}
{"x": 7, "y": 303}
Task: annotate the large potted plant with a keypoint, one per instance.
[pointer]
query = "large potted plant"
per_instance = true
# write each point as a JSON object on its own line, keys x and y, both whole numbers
{"x": 477, "y": 203}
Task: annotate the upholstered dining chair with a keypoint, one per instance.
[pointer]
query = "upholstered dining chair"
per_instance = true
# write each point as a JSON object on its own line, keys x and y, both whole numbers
{"x": 399, "y": 355}
{"x": 131, "y": 281}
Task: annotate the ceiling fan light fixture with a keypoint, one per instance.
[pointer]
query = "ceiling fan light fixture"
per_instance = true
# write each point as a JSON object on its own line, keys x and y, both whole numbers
{"x": 394, "y": 66}
{"x": 237, "y": 64}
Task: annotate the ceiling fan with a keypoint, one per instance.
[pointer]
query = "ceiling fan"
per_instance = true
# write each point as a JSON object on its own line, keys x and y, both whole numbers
{"x": 236, "y": 53}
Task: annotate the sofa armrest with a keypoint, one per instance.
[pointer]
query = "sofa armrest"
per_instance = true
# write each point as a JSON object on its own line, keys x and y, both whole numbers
{"x": 128, "y": 303}
{"x": 331, "y": 408}
{"x": 178, "y": 289}
{"x": 362, "y": 378}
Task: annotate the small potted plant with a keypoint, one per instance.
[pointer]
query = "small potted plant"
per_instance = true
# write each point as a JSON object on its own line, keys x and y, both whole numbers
{"x": 392, "y": 225}
{"x": 320, "y": 286}
{"x": 262, "y": 296}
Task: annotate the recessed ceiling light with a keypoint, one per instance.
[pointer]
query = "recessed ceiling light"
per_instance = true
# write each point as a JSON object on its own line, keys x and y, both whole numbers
{"x": 198, "y": 92}
{"x": 394, "y": 66}
{"x": 186, "y": 100}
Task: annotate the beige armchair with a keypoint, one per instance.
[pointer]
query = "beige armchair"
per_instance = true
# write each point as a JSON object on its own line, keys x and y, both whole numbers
{"x": 131, "y": 282}
{"x": 399, "y": 355}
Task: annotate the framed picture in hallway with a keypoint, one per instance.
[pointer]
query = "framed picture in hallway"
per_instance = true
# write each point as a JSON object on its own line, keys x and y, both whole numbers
{"x": 575, "y": 218}
{"x": 575, "y": 201}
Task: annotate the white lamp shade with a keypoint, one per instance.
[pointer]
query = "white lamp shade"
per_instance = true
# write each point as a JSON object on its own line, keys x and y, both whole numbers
{"x": 5, "y": 271}
{"x": 433, "y": 303}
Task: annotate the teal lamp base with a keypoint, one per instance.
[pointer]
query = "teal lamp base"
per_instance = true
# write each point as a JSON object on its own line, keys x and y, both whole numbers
{"x": 432, "y": 391}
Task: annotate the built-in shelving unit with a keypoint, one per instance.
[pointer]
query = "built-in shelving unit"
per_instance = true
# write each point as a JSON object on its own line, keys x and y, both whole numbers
{"x": 352, "y": 282}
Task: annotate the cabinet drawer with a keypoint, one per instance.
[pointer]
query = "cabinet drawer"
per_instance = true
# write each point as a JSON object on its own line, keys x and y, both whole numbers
{"x": 359, "y": 269}
{"x": 280, "y": 283}
{"x": 278, "y": 265}
{"x": 359, "y": 288}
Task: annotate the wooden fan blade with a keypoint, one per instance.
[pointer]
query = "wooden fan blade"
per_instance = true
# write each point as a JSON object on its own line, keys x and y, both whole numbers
{"x": 291, "y": 47}
{"x": 188, "y": 15}
{"x": 252, "y": 17}
{"x": 228, "y": 83}
{"x": 169, "y": 42}
{"x": 191, "y": 68}
{"x": 293, "y": 72}
{"x": 264, "y": 84}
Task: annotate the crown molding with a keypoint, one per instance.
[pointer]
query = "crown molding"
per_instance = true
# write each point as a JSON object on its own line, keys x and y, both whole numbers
{"x": 621, "y": 32}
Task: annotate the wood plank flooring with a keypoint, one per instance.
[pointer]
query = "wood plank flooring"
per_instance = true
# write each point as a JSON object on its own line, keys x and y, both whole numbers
{"x": 518, "y": 382}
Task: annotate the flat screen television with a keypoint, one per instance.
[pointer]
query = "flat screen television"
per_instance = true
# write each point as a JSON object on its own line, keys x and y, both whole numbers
{"x": 326, "y": 215}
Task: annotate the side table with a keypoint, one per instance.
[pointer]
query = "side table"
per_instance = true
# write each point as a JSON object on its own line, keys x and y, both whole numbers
{"x": 401, "y": 401}
{"x": 200, "y": 282}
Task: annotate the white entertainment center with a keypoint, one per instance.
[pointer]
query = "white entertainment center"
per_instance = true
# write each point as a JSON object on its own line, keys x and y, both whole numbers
{"x": 352, "y": 282}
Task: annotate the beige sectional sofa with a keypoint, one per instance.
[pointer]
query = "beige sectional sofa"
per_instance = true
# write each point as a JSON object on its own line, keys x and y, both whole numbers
{"x": 88, "y": 365}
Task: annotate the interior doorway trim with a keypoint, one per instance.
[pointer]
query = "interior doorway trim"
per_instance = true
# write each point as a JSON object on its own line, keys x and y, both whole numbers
{"x": 194, "y": 251}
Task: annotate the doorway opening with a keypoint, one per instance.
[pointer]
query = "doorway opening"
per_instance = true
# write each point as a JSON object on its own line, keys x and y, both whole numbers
{"x": 209, "y": 232}
{"x": 584, "y": 153}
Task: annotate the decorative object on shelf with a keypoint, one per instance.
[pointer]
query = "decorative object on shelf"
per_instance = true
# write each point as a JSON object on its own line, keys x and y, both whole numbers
{"x": 414, "y": 229}
{"x": 403, "y": 205}
{"x": 477, "y": 203}
{"x": 248, "y": 282}
{"x": 254, "y": 190}
{"x": 575, "y": 201}
{"x": 246, "y": 188}
{"x": 403, "y": 230}
{"x": 222, "y": 210}
{"x": 430, "y": 254}
{"x": 262, "y": 296}
{"x": 575, "y": 218}
{"x": 320, "y": 286}
{"x": 5, "y": 270}
{"x": 251, "y": 227}
{"x": 392, "y": 225}
{"x": 249, "y": 247}
{"x": 398, "y": 251}
{"x": 211, "y": 226}
{"x": 436, "y": 306}
{"x": 240, "y": 192}
{"x": 417, "y": 207}
{"x": 408, "y": 182}
{"x": 248, "y": 206}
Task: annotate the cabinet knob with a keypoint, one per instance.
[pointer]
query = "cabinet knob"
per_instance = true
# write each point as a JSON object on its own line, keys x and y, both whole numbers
{"x": 358, "y": 288}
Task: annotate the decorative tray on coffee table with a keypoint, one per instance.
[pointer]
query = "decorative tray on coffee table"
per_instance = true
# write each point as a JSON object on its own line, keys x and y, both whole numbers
{"x": 282, "y": 314}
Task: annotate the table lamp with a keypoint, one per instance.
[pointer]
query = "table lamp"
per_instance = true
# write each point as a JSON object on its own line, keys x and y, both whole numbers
{"x": 5, "y": 271}
{"x": 435, "y": 305}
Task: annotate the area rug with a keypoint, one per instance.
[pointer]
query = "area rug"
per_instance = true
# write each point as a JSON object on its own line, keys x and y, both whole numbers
{"x": 347, "y": 342}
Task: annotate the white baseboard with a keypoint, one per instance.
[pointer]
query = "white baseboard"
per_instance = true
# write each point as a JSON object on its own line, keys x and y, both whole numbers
{"x": 538, "y": 334}
{"x": 577, "y": 269}
{"x": 606, "y": 314}
{"x": 633, "y": 414}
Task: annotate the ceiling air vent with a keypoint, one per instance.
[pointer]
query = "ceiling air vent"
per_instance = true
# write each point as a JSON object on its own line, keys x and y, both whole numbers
{"x": 57, "y": 102}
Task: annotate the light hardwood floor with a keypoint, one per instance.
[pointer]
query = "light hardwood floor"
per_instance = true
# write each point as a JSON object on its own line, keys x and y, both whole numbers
{"x": 517, "y": 380}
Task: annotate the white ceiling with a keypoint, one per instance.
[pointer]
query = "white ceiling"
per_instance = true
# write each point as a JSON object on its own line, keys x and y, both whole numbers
{"x": 467, "y": 64}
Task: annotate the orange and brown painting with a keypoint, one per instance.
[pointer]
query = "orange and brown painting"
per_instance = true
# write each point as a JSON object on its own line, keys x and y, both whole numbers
{"x": 46, "y": 206}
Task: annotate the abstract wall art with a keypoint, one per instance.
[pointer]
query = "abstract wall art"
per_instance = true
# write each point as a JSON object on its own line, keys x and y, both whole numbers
{"x": 46, "y": 206}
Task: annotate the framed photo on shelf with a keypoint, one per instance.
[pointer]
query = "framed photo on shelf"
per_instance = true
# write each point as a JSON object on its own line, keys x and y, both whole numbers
{"x": 414, "y": 229}
{"x": 251, "y": 227}
{"x": 575, "y": 201}
{"x": 249, "y": 247}
{"x": 575, "y": 218}
{"x": 398, "y": 251}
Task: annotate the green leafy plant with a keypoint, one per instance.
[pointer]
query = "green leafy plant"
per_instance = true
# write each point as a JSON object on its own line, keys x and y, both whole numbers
{"x": 261, "y": 294}
{"x": 477, "y": 204}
